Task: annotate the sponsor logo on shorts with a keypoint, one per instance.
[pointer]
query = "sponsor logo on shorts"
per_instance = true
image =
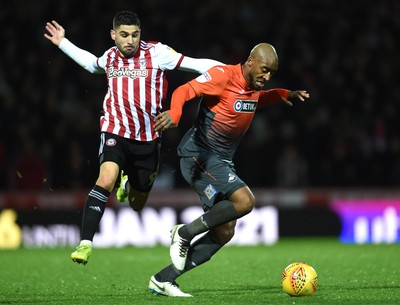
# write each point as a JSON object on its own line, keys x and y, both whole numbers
{"x": 231, "y": 178}
{"x": 111, "y": 142}
{"x": 210, "y": 191}
{"x": 245, "y": 106}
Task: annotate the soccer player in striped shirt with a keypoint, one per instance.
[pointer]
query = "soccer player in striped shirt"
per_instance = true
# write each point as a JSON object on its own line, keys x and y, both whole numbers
{"x": 137, "y": 87}
{"x": 230, "y": 96}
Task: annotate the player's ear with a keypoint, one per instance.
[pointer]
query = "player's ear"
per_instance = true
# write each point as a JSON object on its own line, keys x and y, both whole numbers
{"x": 250, "y": 61}
{"x": 112, "y": 34}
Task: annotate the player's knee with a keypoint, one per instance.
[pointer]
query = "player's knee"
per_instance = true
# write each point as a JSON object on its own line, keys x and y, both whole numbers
{"x": 137, "y": 200}
{"x": 244, "y": 201}
{"x": 246, "y": 205}
{"x": 106, "y": 182}
{"x": 136, "y": 205}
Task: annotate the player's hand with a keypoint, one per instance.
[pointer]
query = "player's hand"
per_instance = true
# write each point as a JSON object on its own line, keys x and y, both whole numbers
{"x": 56, "y": 32}
{"x": 298, "y": 94}
{"x": 163, "y": 121}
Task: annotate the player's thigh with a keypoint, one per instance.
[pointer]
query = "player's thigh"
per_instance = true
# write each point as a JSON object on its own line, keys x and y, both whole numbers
{"x": 142, "y": 165}
{"x": 112, "y": 149}
{"x": 112, "y": 158}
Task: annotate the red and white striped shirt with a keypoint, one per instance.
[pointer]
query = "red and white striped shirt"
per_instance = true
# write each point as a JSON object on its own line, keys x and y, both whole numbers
{"x": 137, "y": 87}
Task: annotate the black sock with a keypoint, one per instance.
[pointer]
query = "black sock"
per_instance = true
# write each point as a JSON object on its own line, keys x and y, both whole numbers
{"x": 223, "y": 212}
{"x": 168, "y": 274}
{"x": 200, "y": 252}
{"x": 94, "y": 209}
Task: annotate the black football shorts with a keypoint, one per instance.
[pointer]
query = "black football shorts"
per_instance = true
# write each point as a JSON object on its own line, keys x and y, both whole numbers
{"x": 213, "y": 179}
{"x": 139, "y": 160}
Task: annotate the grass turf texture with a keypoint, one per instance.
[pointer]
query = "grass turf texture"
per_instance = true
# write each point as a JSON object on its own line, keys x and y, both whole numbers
{"x": 348, "y": 274}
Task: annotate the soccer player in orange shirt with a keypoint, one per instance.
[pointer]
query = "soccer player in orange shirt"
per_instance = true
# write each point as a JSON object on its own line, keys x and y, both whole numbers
{"x": 230, "y": 96}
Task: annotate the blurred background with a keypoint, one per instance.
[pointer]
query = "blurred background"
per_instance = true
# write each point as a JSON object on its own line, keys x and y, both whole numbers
{"x": 344, "y": 53}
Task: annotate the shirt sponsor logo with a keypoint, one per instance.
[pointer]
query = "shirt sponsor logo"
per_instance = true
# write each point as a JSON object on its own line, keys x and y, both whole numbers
{"x": 245, "y": 106}
{"x": 210, "y": 191}
{"x": 125, "y": 72}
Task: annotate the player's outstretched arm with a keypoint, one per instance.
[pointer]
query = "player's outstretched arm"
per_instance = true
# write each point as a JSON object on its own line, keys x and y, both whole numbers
{"x": 55, "y": 32}
{"x": 199, "y": 65}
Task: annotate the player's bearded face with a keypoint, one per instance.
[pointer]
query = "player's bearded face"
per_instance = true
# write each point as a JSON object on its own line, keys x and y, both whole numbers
{"x": 127, "y": 39}
{"x": 260, "y": 73}
{"x": 256, "y": 82}
{"x": 257, "y": 77}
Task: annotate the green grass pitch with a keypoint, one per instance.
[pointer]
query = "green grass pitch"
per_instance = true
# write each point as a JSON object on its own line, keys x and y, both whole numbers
{"x": 348, "y": 274}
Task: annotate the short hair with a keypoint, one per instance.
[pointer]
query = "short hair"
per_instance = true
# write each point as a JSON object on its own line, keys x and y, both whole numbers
{"x": 125, "y": 18}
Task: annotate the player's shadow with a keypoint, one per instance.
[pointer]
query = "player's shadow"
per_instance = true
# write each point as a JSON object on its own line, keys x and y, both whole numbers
{"x": 238, "y": 290}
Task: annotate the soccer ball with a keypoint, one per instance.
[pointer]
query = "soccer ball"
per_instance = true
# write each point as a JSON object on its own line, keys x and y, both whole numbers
{"x": 299, "y": 279}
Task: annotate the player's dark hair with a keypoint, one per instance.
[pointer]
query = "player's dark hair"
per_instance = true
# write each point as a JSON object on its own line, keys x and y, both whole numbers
{"x": 125, "y": 18}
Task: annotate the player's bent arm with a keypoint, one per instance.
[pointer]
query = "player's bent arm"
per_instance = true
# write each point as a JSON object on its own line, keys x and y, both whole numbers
{"x": 85, "y": 59}
{"x": 180, "y": 96}
{"x": 272, "y": 96}
{"x": 199, "y": 65}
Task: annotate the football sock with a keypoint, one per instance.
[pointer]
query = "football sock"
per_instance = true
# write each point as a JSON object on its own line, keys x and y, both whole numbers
{"x": 223, "y": 212}
{"x": 200, "y": 252}
{"x": 93, "y": 211}
{"x": 168, "y": 274}
{"x": 85, "y": 242}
